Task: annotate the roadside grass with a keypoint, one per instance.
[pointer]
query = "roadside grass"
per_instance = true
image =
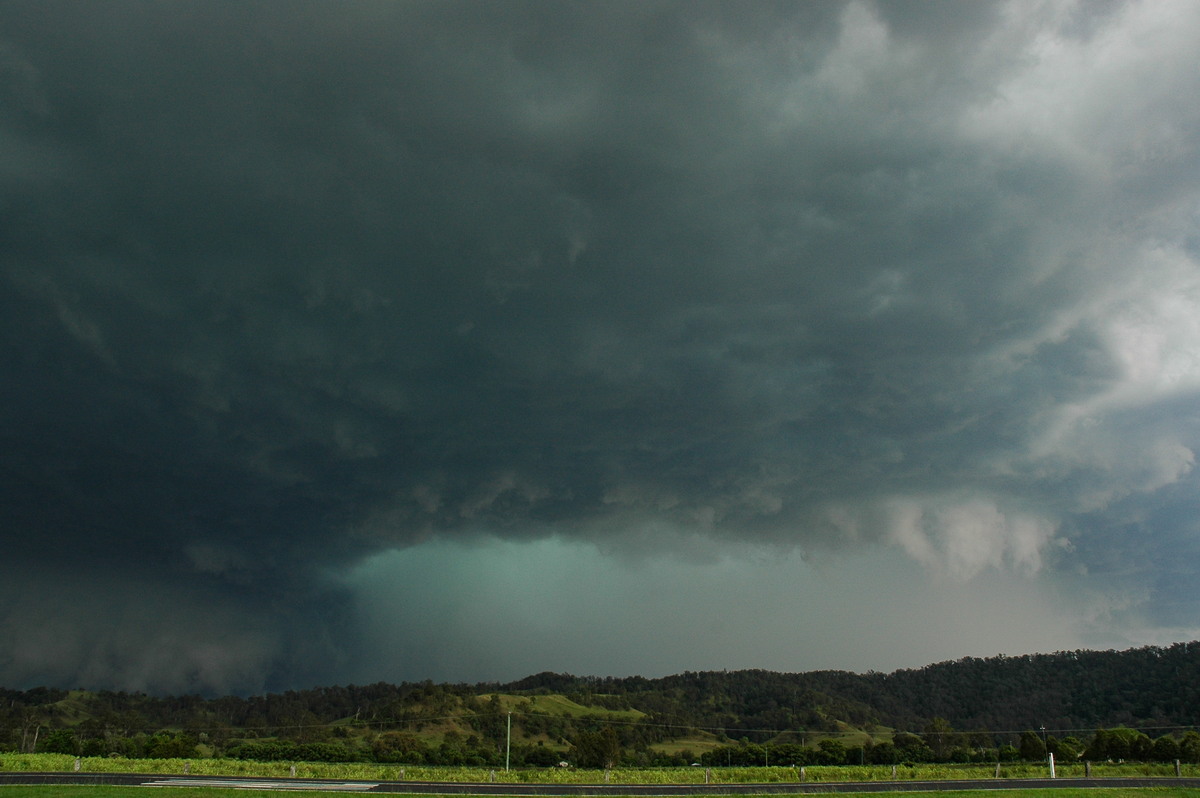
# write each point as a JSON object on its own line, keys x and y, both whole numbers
{"x": 89, "y": 791}
{"x": 92, "y": 791}
{"x": 366, "y": 771}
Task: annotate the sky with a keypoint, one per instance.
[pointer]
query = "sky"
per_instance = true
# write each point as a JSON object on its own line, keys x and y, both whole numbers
{"x": 392, "y": 341}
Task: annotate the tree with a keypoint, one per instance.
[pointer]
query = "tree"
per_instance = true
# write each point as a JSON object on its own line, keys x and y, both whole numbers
{"x": 599, "y": 749}
{"x": 541, "y": 756}
{"x": 1066, "y": 749}
{"x": 1031, "y": 746}
{"x": 939, "y": 736}
{"x": 60, "y": 741}
{"x": 1119, "y": 743}
{"x": 882, "y": 754}
{"x": 832, "y": 752}
{"x": 451, "y": 751}
{"x": 1189, "y": 747}
{"x": 397, "y": 746}
{"x": 911, "y": 748}
{"x": 1165, "y": 749}
{"x": 166, "y": 745}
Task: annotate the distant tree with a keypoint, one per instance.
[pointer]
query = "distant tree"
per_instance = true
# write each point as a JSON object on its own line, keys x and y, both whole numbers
{"x": 59, "y": 741}
{"x": 397, "y": 746}
{"x": 540, "y": 756}
{"x": 1031, "y": 746}
{"x": 324, "y": 752}
{"x": 832, "y": 752}
{"x": 1189, "y": 747}
{"x": 599, "y": 749}
{"x": 1140, "y": 746}
{"x": 451, "y": 751}
{"x": 912, "y": 748}
{"x": 882, "y": 754}
{"x": 790, "y": 754}
{"x": 1101, "y": 747}
{"x": 166, "y": 745}
{"x": 264, "y": 751}
{"x": 1066, "y": 749}
{"x": 1164, "y": 749}
{"x": 1119, "y": 743}
{"x": 940, "y": 737}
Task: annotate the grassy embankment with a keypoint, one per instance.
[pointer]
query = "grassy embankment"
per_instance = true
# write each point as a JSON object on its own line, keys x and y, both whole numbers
{"x": 687, "y": 775}
{"x": 21, "y": 791}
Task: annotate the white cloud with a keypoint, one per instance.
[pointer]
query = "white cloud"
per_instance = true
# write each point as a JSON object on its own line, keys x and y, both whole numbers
{"x": 1096, "y": 101}
{"x": 957, "y": 535}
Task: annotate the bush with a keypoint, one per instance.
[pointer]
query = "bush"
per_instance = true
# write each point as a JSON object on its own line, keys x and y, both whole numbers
{"x": 59, "y": 741}
{"x": 542, "y": 757}
{"x": 403, "y": 747}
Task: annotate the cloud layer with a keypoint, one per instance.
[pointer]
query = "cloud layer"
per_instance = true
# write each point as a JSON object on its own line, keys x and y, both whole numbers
{"x": 294, "y": 292}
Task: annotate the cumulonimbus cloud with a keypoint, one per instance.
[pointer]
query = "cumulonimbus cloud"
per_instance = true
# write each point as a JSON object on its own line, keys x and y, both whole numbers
{"x": 286, "y": 293}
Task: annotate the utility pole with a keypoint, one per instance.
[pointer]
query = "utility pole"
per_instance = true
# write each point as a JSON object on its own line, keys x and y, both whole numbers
{"x": 508, "y": 743}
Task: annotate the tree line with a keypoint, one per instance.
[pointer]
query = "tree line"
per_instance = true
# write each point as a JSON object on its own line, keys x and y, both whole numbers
{"x": 941, "y": 744}
{"x": 606, "y": 747}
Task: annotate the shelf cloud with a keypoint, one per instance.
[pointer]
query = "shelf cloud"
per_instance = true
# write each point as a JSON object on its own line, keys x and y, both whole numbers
{"x": 349, "y": 342}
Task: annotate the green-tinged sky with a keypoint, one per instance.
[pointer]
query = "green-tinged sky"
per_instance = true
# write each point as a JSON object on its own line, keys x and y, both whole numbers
{"x": 461, "y": 341}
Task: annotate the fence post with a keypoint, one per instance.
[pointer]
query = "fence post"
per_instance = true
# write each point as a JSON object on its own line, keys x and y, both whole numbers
{"x": 1087, "y": 770}
{"x": 78, "y": 764}
{"x": 801, "y": 774}
{"x": 997, "y": 770}
{"x": 707, "y": 775}
{"x": 1051, "y": 758}
{"x": 292, "y": 771}
{"x": 1178, "y": 771}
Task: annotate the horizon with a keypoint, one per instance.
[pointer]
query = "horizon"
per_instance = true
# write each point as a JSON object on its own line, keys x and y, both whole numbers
{"x": 601, "y": 679}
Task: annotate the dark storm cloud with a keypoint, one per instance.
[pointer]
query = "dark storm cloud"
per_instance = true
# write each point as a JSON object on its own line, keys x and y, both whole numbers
{"x": 288, "y": 285}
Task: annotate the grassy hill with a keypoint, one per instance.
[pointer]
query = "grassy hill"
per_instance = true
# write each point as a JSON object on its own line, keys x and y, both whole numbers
{"x": 555, "y": 704}
{"x": 1071, "y": 694}
{"x": 443, "y": 723}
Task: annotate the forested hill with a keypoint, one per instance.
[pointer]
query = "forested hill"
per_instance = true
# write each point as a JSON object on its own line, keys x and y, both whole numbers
{"x": 1067, "y": 692}
{"x": 1145, "y": 687}
{"x": 1076, "y": 690}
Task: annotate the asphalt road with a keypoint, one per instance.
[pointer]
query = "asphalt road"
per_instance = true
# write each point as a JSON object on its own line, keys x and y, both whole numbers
{"x": 451, "y": 788}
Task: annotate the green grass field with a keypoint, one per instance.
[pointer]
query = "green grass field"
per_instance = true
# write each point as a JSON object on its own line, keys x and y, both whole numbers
{"x": 362, "y": 771}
